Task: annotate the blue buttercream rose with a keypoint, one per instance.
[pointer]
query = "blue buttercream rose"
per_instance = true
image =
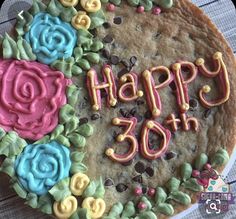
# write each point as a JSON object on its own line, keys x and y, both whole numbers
{"x": 41, "y": 166}
{"x": 51, "y": 38}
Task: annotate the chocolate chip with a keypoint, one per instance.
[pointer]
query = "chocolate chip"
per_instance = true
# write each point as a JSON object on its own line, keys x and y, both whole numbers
{"x": 124, "y": 113}
{"x": 144, "y": 189}
{"x": 114, "y": 59}
{"x": 95, "y": 116}
{"x": 139, "y": 167}
{"x": 138, "y": 179}
{"x": 106, "y": 53}
{"x": 121, "y": 187}
{"x": 206, "y": 113}
{"x": 108, "y": 182}
{"x": 107, "y": 39}
{"x": 128, "y": 163}
{"x": 170, "y": 155}
{"x": 148, "y": 114}
{"x": 172, "y": 85}
{"x": 138, "y": 117}
{"x": 193, "y": 104}
{"x": 106, "y": 25}
{"x": 133, "y": 111}
{"x": 133, "y": 60}
{"x": 149, "y": 171}
{"x": 162, "y": 78}
{"x": 140, "y": 102}
{"x": 94, "y": 32}
{"x": 117, "y": 20}
{"x": 122, "y": 72}
{"x": 83, "y": 121}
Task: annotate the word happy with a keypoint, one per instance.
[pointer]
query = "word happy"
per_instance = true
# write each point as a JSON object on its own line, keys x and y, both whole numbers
{"x": 129, "y": 82}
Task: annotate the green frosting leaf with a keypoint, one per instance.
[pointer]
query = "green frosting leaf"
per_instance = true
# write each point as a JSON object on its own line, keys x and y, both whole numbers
{"x": 96, "y": 46}
{"x": 23, "y": 25}
{"x": 100, "y": 190}
{"x": 45, "y": 203}
{"x": 146, "y": 215}
{"x": 192, "y": 185}
{"x": 165, "y": 208}
{"x": 8, "y": 166}
{"x": 78, "y": 168}
{"x": 147, "y": 4}
{"x": 200, "y": 161}
{"x": 72, "y": 94}
{"x": 61, "y": 190}
{"x": 71, "y": 125}
{"x": 67, "y": 112}
{"x": 180, "y": 197}
{"x": 85, "y": 130}
{"x": 90, "y": 190}
{"x": 133, "y": 3}
{"x": 57, "y": 131}
{"x": 77, "y": 156}
{"x": 129, "y": 210}
{"x": 84, "y": 64}
{"x": 173, "y": 184}
{"x": 19, "y": 190}
{"x": 63, "y": 140}
{"x": 78, "y": 53}
{"x": 81, "y": 213}
{"x": 164, "y": 3}
{"x": 77, "y": 140}
{"x": 220, "y": 158}
{"x": 116, "y": 210}
{"x": 186, "y": 171}
{"x": 37, "y": 6}
{"x": 11, "y": 144}
{"x": 93, "y": 57}
{"x": 54, "y": 8}
{"x": 67, "y": 66}
{"x": 17, "y": 50}
{"x": 2, "y": 133}
{"x": 68, "y": 13}
{"x": 97, "y": 18}
{"x": 43, "y": 140}
{"x": 115, "y": 2}
{"x": 160, "y": 195}
{"x": 32, "y": 200}
{"x": 84, "y": 38}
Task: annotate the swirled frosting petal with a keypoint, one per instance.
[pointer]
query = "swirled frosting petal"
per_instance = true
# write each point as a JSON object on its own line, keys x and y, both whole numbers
{"x": 31, "y": 95}
{"x": 41, "y": 166}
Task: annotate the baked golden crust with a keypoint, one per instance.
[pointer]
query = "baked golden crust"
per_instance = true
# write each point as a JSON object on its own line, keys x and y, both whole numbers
{"x": 183, "y": 32}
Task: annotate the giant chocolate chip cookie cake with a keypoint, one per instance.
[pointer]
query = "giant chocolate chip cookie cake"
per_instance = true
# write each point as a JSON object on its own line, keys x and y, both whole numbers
{"x": 115, "y": 109}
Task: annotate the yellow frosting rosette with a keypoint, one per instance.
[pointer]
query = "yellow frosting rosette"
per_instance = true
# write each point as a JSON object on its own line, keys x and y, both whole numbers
{"x": 79, "y": 183}
{"x": 95, "y": 207}
{"x": 69, "y": 3}
{"x": 81, "y": 21}
{"x": 64, "y": 209}
{"x": 91, "y": 5}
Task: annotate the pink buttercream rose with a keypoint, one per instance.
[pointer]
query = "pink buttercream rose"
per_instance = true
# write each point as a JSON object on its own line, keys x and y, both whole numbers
{"x": 31, "y": 95}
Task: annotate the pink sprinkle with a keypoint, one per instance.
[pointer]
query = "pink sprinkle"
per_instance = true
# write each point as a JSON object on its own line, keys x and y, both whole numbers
{"x": 156, "y": 10}
{"x": 110, "y": 7}
{"x": 195, "y": 173}
{"x": 142, "y": 205}
{"x": 138, "y": 191}
{"x": 140, "y": 9}
{"x": 207, "y": 166}
{"x": 151, "y": 192}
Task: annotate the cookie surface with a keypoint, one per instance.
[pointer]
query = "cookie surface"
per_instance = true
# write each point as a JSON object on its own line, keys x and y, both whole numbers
{"x": 173, "y": 148}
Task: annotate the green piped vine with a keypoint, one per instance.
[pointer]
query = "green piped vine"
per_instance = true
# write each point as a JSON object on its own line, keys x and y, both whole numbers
{"x": 147, "y": 4}
{"x": 175, "y": 191}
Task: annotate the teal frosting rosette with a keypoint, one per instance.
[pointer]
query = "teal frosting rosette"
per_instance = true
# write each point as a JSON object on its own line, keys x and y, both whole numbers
{"x": 39, "y": 167}
{"x": 51, "y": 38}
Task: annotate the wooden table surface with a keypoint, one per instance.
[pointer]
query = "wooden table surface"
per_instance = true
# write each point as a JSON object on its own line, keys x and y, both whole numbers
{"x": 222, "y": 13}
